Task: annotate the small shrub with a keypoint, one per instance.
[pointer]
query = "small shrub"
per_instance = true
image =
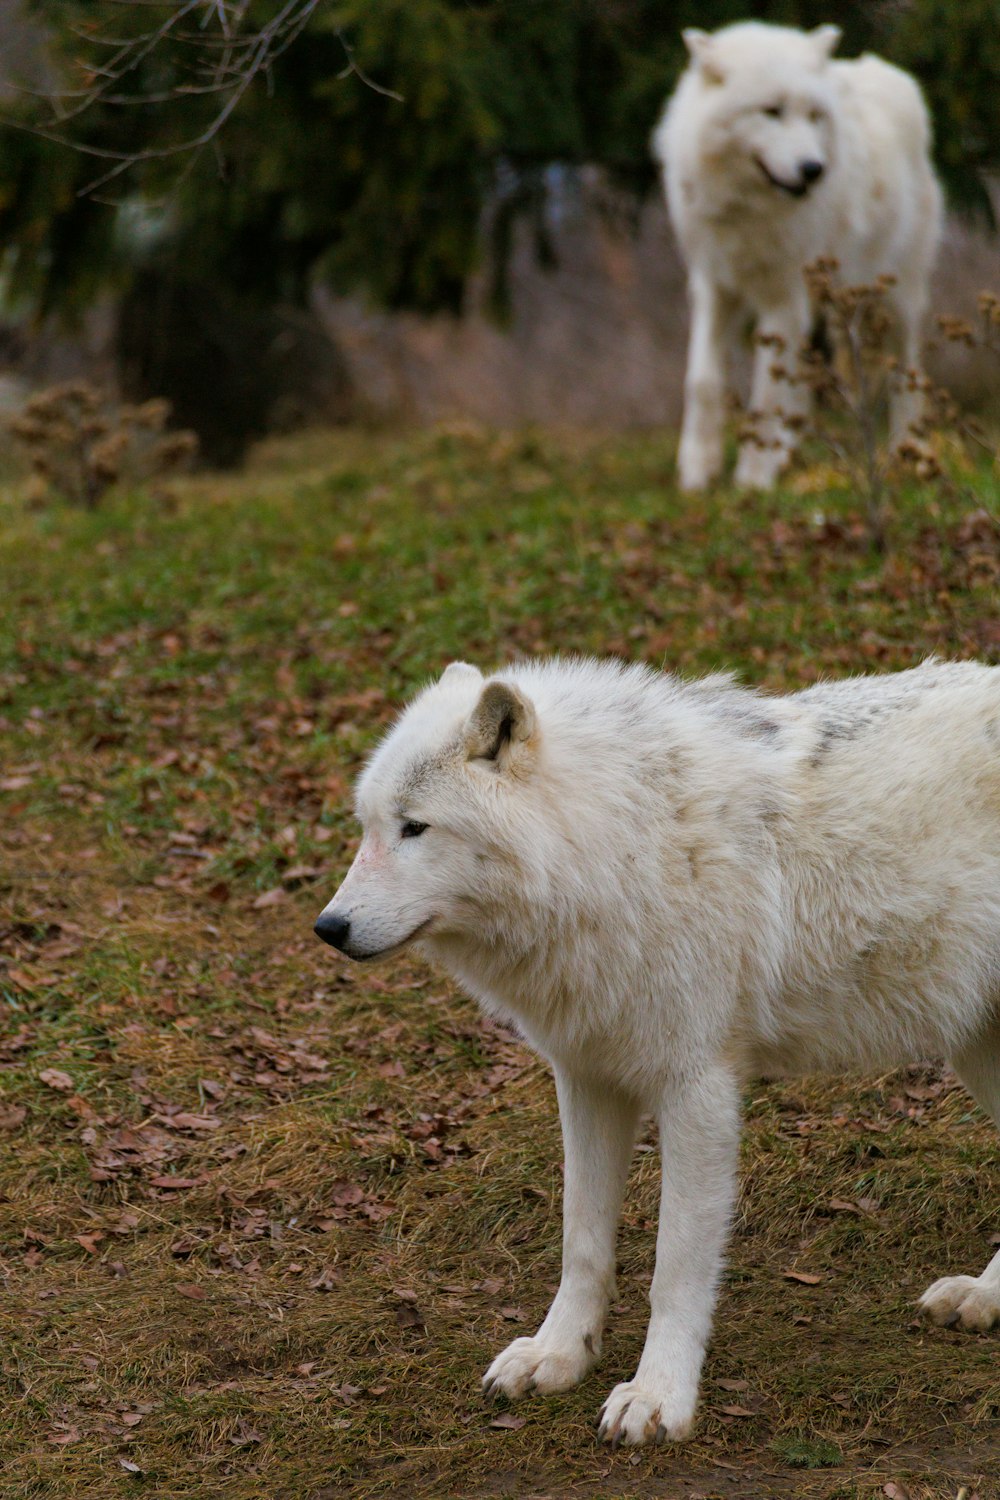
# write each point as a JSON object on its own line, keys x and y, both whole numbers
{"x": 849, "y": 371}
{"x": 79, "y": 442}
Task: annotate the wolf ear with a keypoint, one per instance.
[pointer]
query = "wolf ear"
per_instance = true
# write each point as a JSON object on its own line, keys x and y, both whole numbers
{"x": 501, "y": 721}
{"x": 826, "y": 40}
{"x": 699, "y": 45}
{"x": 456, "y": 669}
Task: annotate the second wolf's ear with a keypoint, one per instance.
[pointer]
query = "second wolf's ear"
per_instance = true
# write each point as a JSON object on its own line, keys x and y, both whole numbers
{"x": 699, "y": 45}
{"x": 826, "y": 40}
{"x": 500, "y": 724}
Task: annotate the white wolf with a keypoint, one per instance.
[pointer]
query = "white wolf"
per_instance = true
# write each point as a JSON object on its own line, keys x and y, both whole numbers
{"x": 772, "y": 157}
{"x": 672, "y": 888}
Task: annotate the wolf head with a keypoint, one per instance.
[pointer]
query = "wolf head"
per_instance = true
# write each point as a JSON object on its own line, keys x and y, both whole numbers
{"x": 432, "y": 805}
{"x": 767, "y": 101}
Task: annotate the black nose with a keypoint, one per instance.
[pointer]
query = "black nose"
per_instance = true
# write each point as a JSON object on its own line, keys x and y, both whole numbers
{"x": 812, "y": 171}
{"x": 333, "y": 930}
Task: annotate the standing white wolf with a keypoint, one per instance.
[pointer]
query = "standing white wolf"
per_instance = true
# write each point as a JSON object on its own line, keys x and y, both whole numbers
{"x": 773, "y": 156}
{"x": 672, "y": 888}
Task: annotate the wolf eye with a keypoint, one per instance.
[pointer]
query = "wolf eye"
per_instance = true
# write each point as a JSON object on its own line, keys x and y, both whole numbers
{"x": 412, "y": 830}
{"x": 775, "y": 111}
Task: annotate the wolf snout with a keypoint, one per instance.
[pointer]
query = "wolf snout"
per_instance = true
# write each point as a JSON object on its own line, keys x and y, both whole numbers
{"x": 333, "y": 929}
{"x": 812, "y": 171}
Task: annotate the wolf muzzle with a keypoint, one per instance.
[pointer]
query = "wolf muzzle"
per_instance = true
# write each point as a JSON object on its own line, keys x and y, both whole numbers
{"x": 333, "y": 930}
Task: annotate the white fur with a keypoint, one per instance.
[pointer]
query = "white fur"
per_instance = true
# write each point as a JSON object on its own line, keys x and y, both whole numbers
{"x": 672, "y": 888}
{"x": 730, "y": 170}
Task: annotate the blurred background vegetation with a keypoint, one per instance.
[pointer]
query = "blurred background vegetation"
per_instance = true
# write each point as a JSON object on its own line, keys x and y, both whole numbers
{"x": 386, "y": 148}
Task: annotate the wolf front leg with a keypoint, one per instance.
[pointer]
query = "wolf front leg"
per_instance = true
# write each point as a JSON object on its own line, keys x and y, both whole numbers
{"x": 699, "y": 457}
{"x": 699, "y": 1139}
{"x": 973, "y": 1301}
{"x": 779, "y": 396}
{"x": 908, "y": 398}
{"x": 599, "y": 1129}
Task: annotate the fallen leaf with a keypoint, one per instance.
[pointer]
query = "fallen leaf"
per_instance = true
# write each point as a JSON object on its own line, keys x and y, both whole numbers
{"x": 300, "y": 874}
{"x": 270, "y": 898}
{"x": 325, "y": 1281}
{"x": 808, "y": 1278}
{"x": 175, "y": 1183}
{"x": 129, "y": 1466}
{"x": 408, "y": 1315}
{"x": 246, "y": 1435}
{"x": 895, "y": 1491}
{"x": 736, "y": 1411}
{"x": 55, "y": 1078}
{"x": 192, "y": 1290}
{"x": 507, "y": 1422}
{"x": 184, "y": 1121}
{"x": 11, "y": 1116}
{"x": 733, "y": 1385}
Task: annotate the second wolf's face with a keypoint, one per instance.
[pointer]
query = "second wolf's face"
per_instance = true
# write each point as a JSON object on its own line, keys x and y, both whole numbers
{"x": 769, "y": 112}
{"x": 431, "y": 802}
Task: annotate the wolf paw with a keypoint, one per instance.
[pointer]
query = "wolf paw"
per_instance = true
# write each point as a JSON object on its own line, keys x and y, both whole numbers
{"x": 699, "y": 462}
{"x": 967, "y": 1300}
{"x": 537, "y": 1365}
{"x": 635, "y": 1413}
{"x": 758, "y": 468}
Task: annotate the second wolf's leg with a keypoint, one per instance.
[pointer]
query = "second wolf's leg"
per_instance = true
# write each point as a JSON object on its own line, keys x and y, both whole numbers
{"x": 774, "y": 398}
{"x": 699, "y": 1139}
{"x": 908, "y": 399}
{"x": 599, "y": 1129}
{"x": 973, "y": 1301}
{"x": 699, "y": 457}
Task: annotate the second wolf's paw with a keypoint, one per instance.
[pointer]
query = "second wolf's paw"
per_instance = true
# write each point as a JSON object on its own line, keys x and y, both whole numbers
{"x": 697, "y": 468}
{"x": 636, "y": 1413}
{"x": 968, "y": 1300}
{"x": 538, "y": 1365}
{"x": 758, "y": 468}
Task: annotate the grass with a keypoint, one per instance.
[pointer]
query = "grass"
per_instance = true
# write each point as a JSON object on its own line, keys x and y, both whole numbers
{"x": 264, "y": 1218}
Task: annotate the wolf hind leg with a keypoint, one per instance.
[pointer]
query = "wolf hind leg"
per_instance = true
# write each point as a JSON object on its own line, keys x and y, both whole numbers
{"x": 973, "y": 1301}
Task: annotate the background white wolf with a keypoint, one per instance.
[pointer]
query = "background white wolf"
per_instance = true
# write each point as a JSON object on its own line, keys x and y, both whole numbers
{"x": 671, "y": 888}
{"x": 772, "y": 156}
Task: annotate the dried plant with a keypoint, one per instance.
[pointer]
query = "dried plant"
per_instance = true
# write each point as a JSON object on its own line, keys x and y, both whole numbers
{"x": 848, "y": 374}
{"x": 982, "y": 335}
{"x": 79, "y": 442}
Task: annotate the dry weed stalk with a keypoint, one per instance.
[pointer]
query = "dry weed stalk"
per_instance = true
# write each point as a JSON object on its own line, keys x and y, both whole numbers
{"x": 985, "y": 337}
{"x": 848, "y": 374}
{"x": 79, "y": 442}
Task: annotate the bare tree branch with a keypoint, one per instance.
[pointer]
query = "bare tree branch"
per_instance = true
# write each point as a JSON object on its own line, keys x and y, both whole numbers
{"x": 219, "y": 57}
